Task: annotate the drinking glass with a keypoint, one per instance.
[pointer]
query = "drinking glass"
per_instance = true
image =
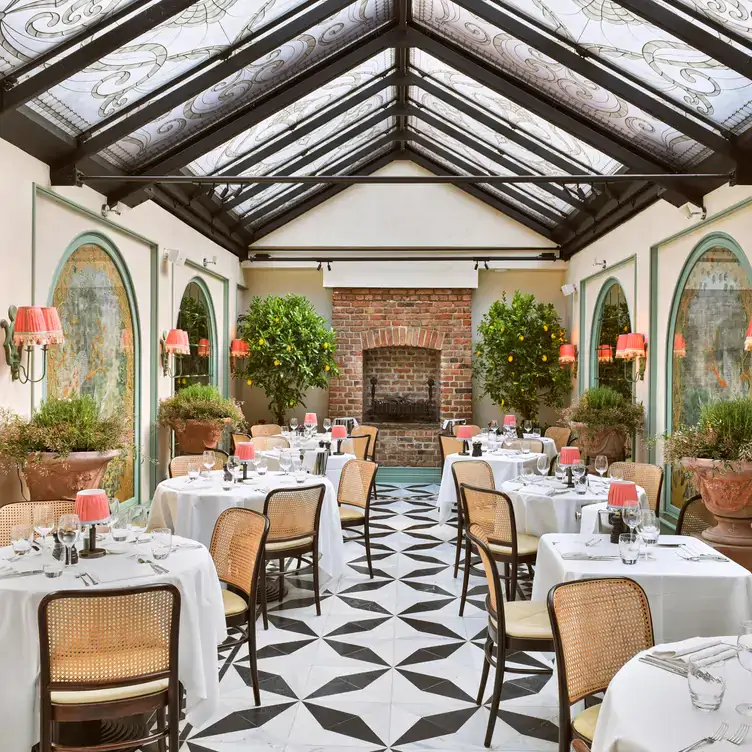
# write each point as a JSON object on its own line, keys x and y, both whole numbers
{"x": 493, "y": 425}
{"x": 119, "y": 528}
{"x": 601, "y": 464}
{"x": 629, "y": 548}
{"x": 137, "y": 520}
{"x": 285, "y": 461}
{"x": 525, "y": 447}
{"x": 299, "y": 471}
{"x": 261, "y": 465}
{"x": 744, "y": 656}
{"x": 536, "y": 432}
{"x": 193, "y": 471}
{"x": 527, "y": 474}
{"x": 578, "y": 470}
{"x": 68, "y": 530}
{"x": 293, "y": 423}
{"x": 208, "y": 461}
{"x": 527, "y": 426}
{"x": 649, "y": 531}
{"x": 560, "y": 472}
{"x": 44, "y": 522}
{"x": 327, "y": 425}
{"x": 615, "y": 473}
{"x": 161, "y": 542}
{"x": 543, "y": 463}
{"x": 707, "y": 684}
{"x": 493, "y": 444}
{"x": 21, "y": 536}
{"x": 632, "y": 516}
{"x": 581, "y": 484}
{"x": 309, "y": 426}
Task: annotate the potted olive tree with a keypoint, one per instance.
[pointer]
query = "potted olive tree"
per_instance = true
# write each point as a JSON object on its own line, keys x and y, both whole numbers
{"x": 65, "y": 446}
{"x": 198, "y": 414}
{"x": 603, "y": 418}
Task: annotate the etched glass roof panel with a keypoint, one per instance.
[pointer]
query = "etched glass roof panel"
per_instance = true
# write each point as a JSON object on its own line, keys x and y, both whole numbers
{"x": 735, "y": 15}
{"x": 654, "y": 56}
{"x": 556, "y": 81}
{"x": 512, "y": 114}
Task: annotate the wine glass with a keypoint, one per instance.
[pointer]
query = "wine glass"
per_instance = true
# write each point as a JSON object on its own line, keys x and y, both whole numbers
{"x": 310, "y": 425}
{"x": 68, "y": 530}
{"x": 578, "y": 470}
{"x": 525, "y": 447}
{"x": 208, "y": 460}
{"x": 327, "y": 425}
{"x": 649, "y": 530}
{"x": 631, "y": 516}
{"x": 543, "y": 463}
{"x": 193, "y": 471}
{"x": 744, "y": 656}
{"x": 21, "y": 536}
{"x": 285, "y": 461}
{"x": 138, "y": 518}
{"x": 293, "y": 423}
{"x": 527, "y": 426}
{"x": 616, "y": 473}
{"x": 601, "y": 464}
{"x": 44, "y": 522}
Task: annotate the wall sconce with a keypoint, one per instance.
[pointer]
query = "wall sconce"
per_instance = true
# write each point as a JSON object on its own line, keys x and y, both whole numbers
{"x": 680, "y": 346}
{"x": 175, "y": 343}
{"x": 204, "y": 348}
{"x": 631, "y": 347}
{"x": 605, "y": 354}
{"x": 568, "y": 357}
{"x": 238, "y": 350}
{"x": 25, "y": 328}
{"x": 748, "y": 339}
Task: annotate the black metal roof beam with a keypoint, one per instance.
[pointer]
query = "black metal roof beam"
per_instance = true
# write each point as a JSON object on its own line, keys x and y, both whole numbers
{"x": 478, "y": 193}
{"x": 403, "y": 14}
{"x": 695, "y": 36}
{"x": 656, "y": 105}
{"x": 490, "y": 152}
{"x": 301, "y": 161}
{"x": 92, "y": 51}
{"x": 578, "y": 126}
{"x": 259, "y": 109}
{"x": 156, "y": 104}
{"x": 318, "y": 198}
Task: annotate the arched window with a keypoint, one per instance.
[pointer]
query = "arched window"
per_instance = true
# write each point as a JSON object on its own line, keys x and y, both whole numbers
{"x": 706, "y": 359}
{"x": 100, "y": 357}
{"x": 611, "y": 318}
{"x": 196, "y": 316}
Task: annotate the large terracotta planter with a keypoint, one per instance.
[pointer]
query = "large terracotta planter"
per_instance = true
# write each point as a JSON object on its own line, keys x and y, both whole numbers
{"x": 592, "y": 443}
{"x": 727, "y": 493}
{"x": 193, "y": 436}
{"x": 49, "y": 476}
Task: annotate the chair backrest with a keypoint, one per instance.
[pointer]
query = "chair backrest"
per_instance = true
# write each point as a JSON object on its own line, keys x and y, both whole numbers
{"x": 356, "y": 483}
{"x": 239, "y": 438}
{"x": 535, "y": 445}
{"x": 263, "y": 443}
{"x": 449, "y": 445}
{"x": 266, "y": 429}
{"x": 493, "y": 511}
{"x": 107, "y": 638}
{"x": 494, "y": 601}
{"x": 694, "y": 517}
{"x": 357, "y": 445}
{"x": 22, "y": 512}
{"x": 179, "y": 465}
{"x": 650, "y": 477}
{"x": 476, "y": 429}
{"x": 560, "y": 435}
{"x": 475, "y": 473}
{"x": 373, "y": 432}
{"x": 598, "y": 625}
{"x": 294, "y": 513}
{"x": 220, "y": 458}
{"x": 237, "y": 547}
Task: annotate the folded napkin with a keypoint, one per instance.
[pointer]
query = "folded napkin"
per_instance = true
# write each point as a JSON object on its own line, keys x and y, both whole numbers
{"x": 513, "y": 485}
{"x": 537, "y": 489}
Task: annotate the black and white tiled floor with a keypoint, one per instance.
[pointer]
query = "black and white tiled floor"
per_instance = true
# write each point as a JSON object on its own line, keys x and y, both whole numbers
{"x": 389, "y": 665}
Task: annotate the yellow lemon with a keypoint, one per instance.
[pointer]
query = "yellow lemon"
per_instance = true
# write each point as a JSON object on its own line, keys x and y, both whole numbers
{"x": 261, "y": 340}
{"x": 326, "y": 368}
{"x": 502, "y": 403}
{"x": 326, "y": 345}
{"x": 510, "y": 358}
{"x": 289, "y": 347}
{"x": 502, "y": 330}
{"x": 292, "y": 403}
{"x": 522, "y": 339}
{"x": 545, "y": 327}
{"x": 249, "y": 382}
{"x": 276, "y": 362}
{"x": 477, "y": 352}
{"x": 276, "y": 321}
{"x": 553, "y": 336}
{"x": 545, "y": 358}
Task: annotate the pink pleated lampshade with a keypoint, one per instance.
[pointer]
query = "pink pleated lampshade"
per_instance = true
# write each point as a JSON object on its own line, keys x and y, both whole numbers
{"x": 680, "y": 346}
{"x": 567, "y": 354}
{"x": 339, "y": 432}
{"x": 30, "y": 327}
{"x": 464, "y": 432}
{"x": 510, "y": 420}
{"x": 204, "y": 348}
{"x": 569, "y": 455}
{"x": 605, "y": 354}
{"x": 92, "y": 505}
{"x": 310, "y": 418}
{"x": 634, "y": 346}
{"x": 54, "y": 326}
{"x": 239, "y": 349}
{"x": 622, "y": 493}
{"x": 748, "y": 338}
{"x": 621, "y": 344}
{"x": 245, "y": 451}
{"x": 177, "y": 342}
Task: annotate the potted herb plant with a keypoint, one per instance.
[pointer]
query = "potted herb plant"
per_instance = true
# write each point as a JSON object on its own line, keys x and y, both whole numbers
{"x": 717, "y": 454}
{"x": 64, "y": 447}
{"x": 603, "y": 418}
{"x": 198, "y": 414}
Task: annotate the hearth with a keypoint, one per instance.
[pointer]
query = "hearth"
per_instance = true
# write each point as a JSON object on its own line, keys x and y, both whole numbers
{"x": 400, "y": 408}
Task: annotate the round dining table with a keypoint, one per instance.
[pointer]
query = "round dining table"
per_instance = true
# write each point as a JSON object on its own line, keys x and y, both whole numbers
{"x": 191, "y": 508}
{"x": 23, "y": 585}
{"x": 334, "y": 464}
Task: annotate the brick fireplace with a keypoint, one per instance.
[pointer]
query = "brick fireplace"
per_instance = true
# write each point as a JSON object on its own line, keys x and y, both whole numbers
{"x": 403, "y": 338}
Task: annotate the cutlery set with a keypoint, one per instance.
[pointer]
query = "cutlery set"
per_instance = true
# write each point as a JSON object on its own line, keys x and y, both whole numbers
{"x": 737, "y": 738}
{"x": 87, "y": 578}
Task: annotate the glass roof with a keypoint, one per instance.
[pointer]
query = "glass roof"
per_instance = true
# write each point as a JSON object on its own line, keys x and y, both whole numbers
{"x": 735, "y": 15}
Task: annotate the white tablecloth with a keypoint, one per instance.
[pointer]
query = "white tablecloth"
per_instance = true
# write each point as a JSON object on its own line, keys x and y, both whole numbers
{"x": 334, "y": 464}
{"x": 191, "y": 509}
{"x": 687, "y": 598}
{"x": 505, "y": 466}
{"x": 647, "y": 709}
{"x": 549, "y": 445}
{"x": 202, "y": 628}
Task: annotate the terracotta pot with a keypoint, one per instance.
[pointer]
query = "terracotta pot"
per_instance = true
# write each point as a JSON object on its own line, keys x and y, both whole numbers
{"x": 193, "y": 436}
{"x": 49, "y": 476}
{"x": 727, "y": 493}
{"x": 609, "y": 441}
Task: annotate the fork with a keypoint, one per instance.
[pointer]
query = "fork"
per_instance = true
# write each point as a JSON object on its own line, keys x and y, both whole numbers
{"x": 738, "y": 738}
{"x": 593, "y": 542}
{"x": 717, "y": 737}
{"x": 81, "y": 576}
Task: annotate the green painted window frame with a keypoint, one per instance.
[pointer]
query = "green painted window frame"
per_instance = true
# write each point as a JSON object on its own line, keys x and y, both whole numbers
{"x": 213, "y": 332}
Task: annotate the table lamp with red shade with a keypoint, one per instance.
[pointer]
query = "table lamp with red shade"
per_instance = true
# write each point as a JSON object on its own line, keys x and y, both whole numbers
{"x": 92, "y": 508}
{"x": 465, "y": 433}
{"x": 339, "y": 433}
{"x": 621, "y": 493}
{"x": 245, "y": 451}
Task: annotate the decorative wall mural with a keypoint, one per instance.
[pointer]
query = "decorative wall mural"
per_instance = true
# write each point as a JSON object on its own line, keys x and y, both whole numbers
{"x": 98, "y": 356}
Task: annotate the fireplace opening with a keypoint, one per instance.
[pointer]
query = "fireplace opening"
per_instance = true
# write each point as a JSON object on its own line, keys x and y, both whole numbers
{"x": 401, "y": 385}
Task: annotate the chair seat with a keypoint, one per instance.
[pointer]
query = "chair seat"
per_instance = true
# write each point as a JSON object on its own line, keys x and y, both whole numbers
{"x": 527, "y": 620}
{"x": 283, "y": 545}
{"x": 109, "y": 694}
{"x": 233, "y": 603}
{"x": 526, "y": 544}
{"x": 347, "y": 514}
{"x": 584, "y": 723}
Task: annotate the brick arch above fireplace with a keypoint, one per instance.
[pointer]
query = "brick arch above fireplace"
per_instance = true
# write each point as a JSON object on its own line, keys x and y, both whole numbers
{"x": 402, "y": 336}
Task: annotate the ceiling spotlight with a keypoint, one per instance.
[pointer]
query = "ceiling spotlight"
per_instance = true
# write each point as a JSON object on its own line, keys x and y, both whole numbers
{"x": 485, "y": 264}
{"x": 476, "y": 266}
{"x": 328, "y": 266}
{"x": 318, "y": 267}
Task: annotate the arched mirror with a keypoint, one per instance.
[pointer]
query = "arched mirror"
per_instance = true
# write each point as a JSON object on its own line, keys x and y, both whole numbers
{"x": 196, "y": 316}
{"x": 611, "y": 319}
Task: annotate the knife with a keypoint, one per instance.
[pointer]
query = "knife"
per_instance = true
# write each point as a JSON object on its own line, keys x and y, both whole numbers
{"x": 21, "y": 574}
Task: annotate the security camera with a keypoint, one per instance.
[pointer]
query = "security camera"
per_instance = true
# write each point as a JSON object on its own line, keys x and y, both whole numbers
{"x": 690, "y": 211}
{"x": 174, "y": 256}
{"x": 568, "y": 289}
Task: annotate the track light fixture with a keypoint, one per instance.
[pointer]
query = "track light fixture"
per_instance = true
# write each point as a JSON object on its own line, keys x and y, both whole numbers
{"x": 485, "y": 265}
{"x": 476, "y": 266}
{"x": 318, "y": 267}
{"x": 328, "y": 266}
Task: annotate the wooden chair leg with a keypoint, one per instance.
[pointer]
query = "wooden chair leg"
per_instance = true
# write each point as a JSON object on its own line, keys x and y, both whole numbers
{"x": 367, "y": 535}
{"x": 252, "y": 658}
{"x": 530, "y": 570}
{"x": 465, "y": 576}
{"x": 506, "y": 580}
{"x": 281, "y": 579}
{"x": 513, "y": 583}
{"x": 316, "y": 594}
{"x": 262, "y": 590}
{"x": 496, "y": 698}
{"x": 45, "y": 731}
{"x": 458, "y": 552}
{"x": 484, "y": 673}
{"x": 162, "y": 724}
{"x": 173, "y": 715}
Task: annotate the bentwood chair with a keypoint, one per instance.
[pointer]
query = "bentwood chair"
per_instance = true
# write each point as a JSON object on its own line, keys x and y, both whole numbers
{"x": 22, "y": 512}
{"x": 476, "y": 429}
{"x": 560, "y": 435}
{"x": 266, "y": 429}
{"x": 356, "y": 484}
{"x": 237, "y": 549}
{"x": 579, "y": 746}
{"x": 294, "y": 516}
{"x": 448, "y": 445}
{"x": 598, "y": 625}
{"x": 108, "y": 654}
{"x": 512, "y": 626}
{"x": 357, "y": 445}
{"x": 494, "y": 512}
{"x": 473, "y": 473}
{"x": 535, "y": 445}
{"x": 650, "y": 477}
{"x": 179, "y": 465}
{"x": 694, "y": 517}
{"x": 238, "y": 438}
{"x": 264, "y": 443}
{"x": 373, "y": 433}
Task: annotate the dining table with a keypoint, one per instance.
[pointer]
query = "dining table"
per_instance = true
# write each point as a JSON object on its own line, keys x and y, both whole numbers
{"x": 190, "y": 508}
{"x": 23, "y": 585}
{"x": 334, "y": 464}
{"x": 549, "y": 445}
{"x": 690, "y": 593}
{"x": 647, "y": 708}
